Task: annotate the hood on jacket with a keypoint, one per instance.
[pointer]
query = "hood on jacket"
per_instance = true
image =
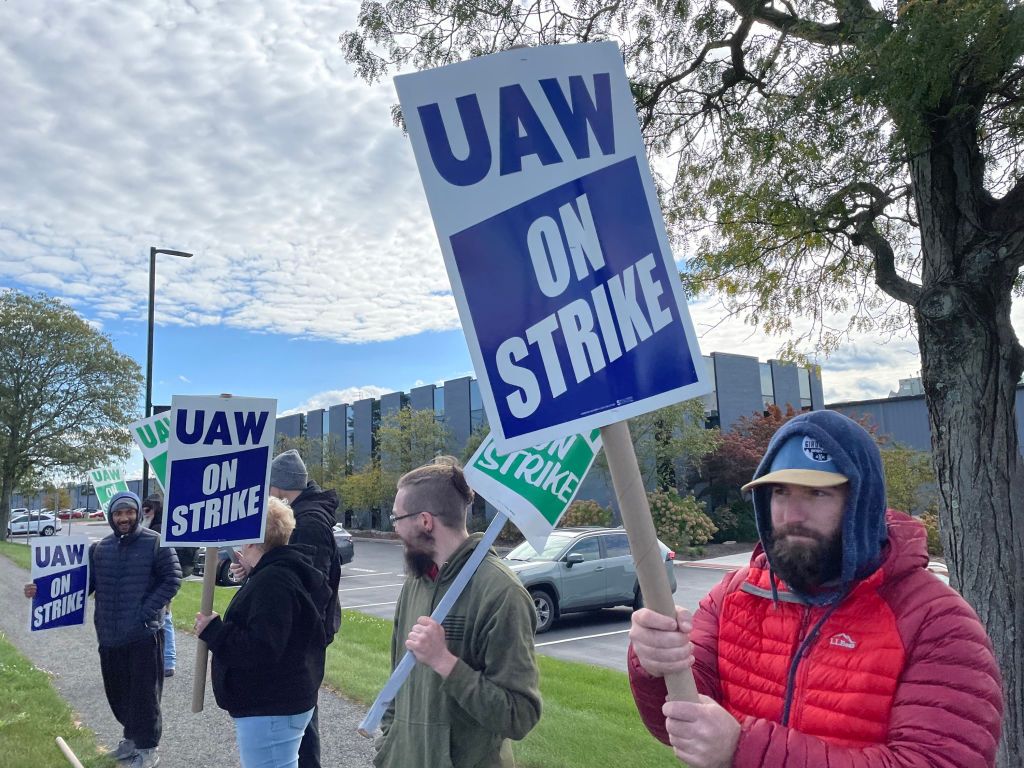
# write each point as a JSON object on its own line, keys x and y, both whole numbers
{"x": 317, "y": 501}
{"x": 854, "y": 454}
{"x": 293, "y": 559}
{"x": 138, "y": 516}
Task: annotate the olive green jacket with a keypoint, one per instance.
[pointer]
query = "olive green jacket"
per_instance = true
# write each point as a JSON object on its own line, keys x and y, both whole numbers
{"x": 492, "y": 694}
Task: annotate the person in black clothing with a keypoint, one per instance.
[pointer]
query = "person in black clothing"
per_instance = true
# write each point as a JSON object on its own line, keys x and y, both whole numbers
{"x": 269, "y": 649}
{"x": 133, "y": 578}
{"x": 153, "y": 518}
{"x": 314, "y": 510}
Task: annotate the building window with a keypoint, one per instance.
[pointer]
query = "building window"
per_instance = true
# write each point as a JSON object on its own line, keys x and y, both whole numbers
{"x": 767, "y": 385}
{"x": 439, "y": 403}
{"x": 350, "y": 431}
{"x": 711, "y": 399}
{"x": 374, "y": 429}
{"x": 476, "y": 406}
{"x": 303, "y": 430}
{"x": 325, "y": 423}
{"x": 805, "y": 389}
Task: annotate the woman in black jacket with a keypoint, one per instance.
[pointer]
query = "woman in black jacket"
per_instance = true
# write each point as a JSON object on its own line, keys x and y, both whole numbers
{"x": 268, "y": 650}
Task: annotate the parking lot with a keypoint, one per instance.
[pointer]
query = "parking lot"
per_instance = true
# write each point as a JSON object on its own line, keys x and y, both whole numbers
{"x": 371, "y": 584}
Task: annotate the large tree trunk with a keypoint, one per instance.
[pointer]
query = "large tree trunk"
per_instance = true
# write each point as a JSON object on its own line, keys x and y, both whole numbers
{"x": 971, "y": 365}
{"x": 970, "y": 377}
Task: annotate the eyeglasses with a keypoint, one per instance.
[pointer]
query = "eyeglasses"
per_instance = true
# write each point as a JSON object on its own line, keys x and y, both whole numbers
{"x": 395, "y": 518}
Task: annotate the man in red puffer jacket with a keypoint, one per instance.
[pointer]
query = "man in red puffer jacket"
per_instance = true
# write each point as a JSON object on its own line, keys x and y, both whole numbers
{"x": 834, "y": 648}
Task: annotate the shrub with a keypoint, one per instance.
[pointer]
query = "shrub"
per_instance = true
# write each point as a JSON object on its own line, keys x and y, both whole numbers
{"x": 680, "y": 521}
{"x": 735, "y": 522}
{"x": 585, "y": 512}
{"x": 931, "y": 524}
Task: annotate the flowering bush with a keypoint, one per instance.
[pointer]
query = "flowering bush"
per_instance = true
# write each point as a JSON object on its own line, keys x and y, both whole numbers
{"x": 585, "y": 512}
{"x": 680, "y": 521}
{"x": 931, "y": 524}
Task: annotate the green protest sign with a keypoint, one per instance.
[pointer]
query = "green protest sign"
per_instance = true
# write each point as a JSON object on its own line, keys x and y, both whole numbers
{"x": 151, "y": 435}
{"x": 533, "y": 486}
{"x": 107, "y": 481}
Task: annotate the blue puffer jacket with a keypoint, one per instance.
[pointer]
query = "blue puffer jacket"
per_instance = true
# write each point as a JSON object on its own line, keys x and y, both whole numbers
{"x": 133, "y": 578}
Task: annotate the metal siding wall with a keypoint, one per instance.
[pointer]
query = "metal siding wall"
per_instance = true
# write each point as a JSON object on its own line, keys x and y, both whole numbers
{"x": 315, "y": 424}
{"x": 289, "y": 426}
{"x": 817, "y": 391}
{"x": 785, "y": 378}
{"x": 338, "y": 419}
{"x": 457, "y": 413}
{"x": 422, "y": 398}
{"x": 738, "y": 379}
{"x": 390, "y": 403}
{"x": 363, "y": 439}
{"x": 902, "y": 420}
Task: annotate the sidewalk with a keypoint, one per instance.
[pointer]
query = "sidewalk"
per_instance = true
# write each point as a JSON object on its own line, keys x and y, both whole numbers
{"x": 204, "y": 740}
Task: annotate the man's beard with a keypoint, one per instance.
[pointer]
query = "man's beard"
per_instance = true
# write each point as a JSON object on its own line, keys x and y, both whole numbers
{"x": 805, "y": 565}
{"x": 419, "y": 554}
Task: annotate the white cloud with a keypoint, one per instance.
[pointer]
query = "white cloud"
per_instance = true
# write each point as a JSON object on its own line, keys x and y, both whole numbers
{"x": 234, "y": 131}
{"x": 184, "y": 379}
{"x": 337, "y": 396}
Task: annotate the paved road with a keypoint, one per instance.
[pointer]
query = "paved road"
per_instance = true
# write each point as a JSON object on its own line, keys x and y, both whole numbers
{"x": 371, "y": 584}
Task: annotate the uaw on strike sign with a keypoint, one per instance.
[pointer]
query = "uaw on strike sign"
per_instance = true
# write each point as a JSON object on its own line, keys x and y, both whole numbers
{"x": 549, "y": 224}
{"x": 60, "y": 571}
{"x": 218, "y": 470}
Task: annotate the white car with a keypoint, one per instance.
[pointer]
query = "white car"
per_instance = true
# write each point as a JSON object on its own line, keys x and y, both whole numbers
{"x": 34, "y": 522}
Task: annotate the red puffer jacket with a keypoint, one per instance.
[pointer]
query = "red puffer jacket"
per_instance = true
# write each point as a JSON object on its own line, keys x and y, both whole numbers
{"x": 899, "y": 674}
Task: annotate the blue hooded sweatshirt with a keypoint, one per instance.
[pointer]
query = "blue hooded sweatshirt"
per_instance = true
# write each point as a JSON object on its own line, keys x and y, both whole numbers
{"x": 855, "y": 454}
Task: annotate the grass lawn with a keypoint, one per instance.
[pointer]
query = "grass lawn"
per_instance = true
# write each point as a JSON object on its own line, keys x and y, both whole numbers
{"x": 33, "y": 715}
{"x": 589, "y": 716}
{"x": 19, "y": 554}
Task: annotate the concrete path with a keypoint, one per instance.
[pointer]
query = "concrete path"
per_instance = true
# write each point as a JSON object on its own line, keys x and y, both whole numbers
{"x": 205, "y": 740}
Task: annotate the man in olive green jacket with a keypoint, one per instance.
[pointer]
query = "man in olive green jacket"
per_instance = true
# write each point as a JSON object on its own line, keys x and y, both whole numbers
{"x": 475, "y": 685}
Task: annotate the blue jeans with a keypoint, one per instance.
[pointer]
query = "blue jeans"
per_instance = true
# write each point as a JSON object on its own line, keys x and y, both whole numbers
{"x": 170, "y": 656}
{"x": 271, "y": 741}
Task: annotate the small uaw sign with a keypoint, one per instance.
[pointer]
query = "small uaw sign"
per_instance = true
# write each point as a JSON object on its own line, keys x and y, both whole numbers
{"x": 60, "y": 571}
{"x": 533, "y": 486}
{"x": 549, "y": 224}
{"x": 218, "y": 470}
{"x": 151, "y": 435}
{"x": 548, "y": 221}
{"x": 108, "y": 482}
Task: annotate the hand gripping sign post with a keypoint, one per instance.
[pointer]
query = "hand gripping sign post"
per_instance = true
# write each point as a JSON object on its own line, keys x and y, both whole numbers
{"x": 151, "y": 435}
{"x": 549, "y": 224}
{"x": 60, "y": 571}
{"x": 533, "y": 487}
{"x": 218, "y": 475}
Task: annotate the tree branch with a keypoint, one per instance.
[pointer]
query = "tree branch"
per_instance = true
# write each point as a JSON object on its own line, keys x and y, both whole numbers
{"x": 810, "y": 31}
{"x": 1008, "y": 213}
{"x": 886, "y": 276}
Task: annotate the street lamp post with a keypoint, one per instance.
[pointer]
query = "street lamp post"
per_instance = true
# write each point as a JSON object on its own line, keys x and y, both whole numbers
{"x": 149, "y": 346}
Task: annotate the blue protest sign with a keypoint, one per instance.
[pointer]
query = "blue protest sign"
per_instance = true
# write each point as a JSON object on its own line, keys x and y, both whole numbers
{"x": 60, "y": 571}
{"x": 552, "y": 235}
{"x": 218, "y": 470}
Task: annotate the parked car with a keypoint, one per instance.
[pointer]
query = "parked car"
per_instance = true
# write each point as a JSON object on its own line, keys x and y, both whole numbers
{"x": 78, "y": 514}
{"x": 64, "y": 514}
{"x": 343, "y": 540}
{"x": 224, "y": 555}
{"x": 581, "y": 569}
{"x": 34, "y": 522}
{"x": 95, "y": 514}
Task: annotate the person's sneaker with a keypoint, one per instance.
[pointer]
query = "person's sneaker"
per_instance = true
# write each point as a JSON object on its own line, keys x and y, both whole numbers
{"x": 125, "y": 750}
{"x": 168, "y": 673}
{"x": 146, "y": 758}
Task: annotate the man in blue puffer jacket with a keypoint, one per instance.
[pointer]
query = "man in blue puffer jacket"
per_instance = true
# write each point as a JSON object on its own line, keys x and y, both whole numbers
{"x": 133, "y": 578}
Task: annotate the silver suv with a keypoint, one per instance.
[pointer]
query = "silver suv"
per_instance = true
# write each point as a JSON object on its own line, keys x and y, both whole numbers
{"x": 581, "y": 569}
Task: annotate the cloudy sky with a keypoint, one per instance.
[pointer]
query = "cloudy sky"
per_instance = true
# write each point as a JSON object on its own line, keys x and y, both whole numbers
{"x": 235, "y": 131}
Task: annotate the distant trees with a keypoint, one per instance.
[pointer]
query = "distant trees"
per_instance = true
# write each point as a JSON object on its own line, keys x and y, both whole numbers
{"x": 66, "y": 395}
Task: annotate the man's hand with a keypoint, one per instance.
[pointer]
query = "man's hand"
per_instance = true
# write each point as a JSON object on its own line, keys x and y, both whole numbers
{"x": 427, "y": 643}
{"x": 30, "y": 589}
{"x": 662, "y": 644}
{"x": 702, "y": 734}
{"x": 202, "y": 621}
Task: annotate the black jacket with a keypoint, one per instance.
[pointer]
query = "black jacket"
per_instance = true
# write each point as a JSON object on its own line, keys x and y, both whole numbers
{"x": 314, "y": 511}
{"x": 268, "y": 651}
{"x": 133, "y": 578}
